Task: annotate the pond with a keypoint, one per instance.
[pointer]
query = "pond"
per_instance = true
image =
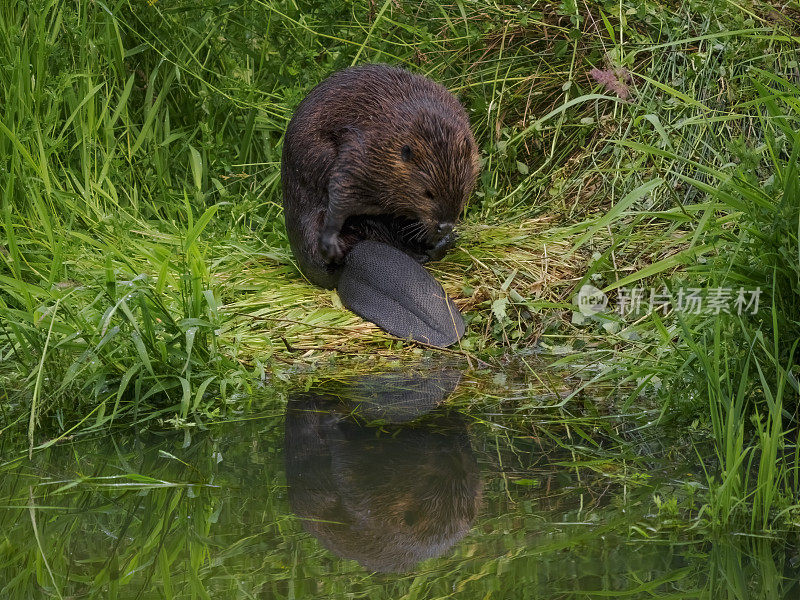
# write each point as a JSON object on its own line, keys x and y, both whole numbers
{"x": 413, "y": 483}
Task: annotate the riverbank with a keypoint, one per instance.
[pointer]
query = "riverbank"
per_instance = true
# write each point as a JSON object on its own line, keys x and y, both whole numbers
{"x": 146, "y": 273}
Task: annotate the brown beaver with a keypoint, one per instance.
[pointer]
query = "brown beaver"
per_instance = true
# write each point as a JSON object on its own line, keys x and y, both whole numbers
{"x": 375, "y": 153}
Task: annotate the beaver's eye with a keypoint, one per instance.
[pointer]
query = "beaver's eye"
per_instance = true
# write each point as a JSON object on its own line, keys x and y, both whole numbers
{"x": 405, "y": 153}
{"x": 428, "y": 195}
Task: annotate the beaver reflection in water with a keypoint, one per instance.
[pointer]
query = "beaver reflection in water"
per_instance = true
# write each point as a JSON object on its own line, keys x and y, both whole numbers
{"x": 387, "y": 498}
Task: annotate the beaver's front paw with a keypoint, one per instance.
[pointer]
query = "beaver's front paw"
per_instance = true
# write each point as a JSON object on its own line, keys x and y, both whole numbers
{"x": 331, "y": 247}
{"x": 442, "y": 246}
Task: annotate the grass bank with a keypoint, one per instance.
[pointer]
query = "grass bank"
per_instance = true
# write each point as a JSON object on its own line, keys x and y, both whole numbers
{"x": 146, "y": 273}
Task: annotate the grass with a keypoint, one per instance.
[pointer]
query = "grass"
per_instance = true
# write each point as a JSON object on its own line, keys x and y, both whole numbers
{"x": 743, "y": 365}
{"x": 145, "y": 272}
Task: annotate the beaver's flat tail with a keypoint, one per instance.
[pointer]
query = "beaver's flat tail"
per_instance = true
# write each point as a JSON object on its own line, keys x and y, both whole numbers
{"x": 386, "y": 286}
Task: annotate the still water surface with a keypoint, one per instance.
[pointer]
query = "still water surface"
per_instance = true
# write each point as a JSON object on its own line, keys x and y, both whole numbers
{"x": 414, "y": 484}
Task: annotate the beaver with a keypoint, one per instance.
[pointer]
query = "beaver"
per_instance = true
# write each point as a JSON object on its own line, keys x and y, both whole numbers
{"x": 376, "y": 153}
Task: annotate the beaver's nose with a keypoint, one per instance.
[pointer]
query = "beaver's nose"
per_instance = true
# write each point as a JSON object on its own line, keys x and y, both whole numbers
{"x": 444, "y": 228}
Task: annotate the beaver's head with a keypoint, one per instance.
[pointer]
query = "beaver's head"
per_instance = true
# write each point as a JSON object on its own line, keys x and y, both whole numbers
{"x": 434, "y": 162}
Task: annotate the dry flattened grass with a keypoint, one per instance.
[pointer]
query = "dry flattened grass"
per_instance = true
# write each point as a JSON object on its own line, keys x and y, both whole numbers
{"x": 279, "y": 311}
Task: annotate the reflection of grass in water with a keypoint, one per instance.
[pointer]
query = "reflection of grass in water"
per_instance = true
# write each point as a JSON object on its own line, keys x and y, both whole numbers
{"x": 161, "y": 514}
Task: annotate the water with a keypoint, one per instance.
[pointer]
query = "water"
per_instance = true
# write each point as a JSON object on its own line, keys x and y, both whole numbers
{"x": 371, "y": 488}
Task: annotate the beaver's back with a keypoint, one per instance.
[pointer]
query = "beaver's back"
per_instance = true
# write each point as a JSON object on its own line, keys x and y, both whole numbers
{"x": 365, "y": 97}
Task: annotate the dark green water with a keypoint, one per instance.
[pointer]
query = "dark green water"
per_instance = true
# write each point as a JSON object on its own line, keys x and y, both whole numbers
{"x": 496, "y": 493}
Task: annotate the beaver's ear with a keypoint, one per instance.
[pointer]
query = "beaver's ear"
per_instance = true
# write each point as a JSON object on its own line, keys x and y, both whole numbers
{"x": 410, "y": 517}
{"x": 406, "y": 153}
{"x": 469, "y": 144}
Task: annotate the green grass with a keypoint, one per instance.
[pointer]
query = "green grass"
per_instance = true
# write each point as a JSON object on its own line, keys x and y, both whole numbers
{"x": 145, "y": 272}
{"x": 740, "y": 369}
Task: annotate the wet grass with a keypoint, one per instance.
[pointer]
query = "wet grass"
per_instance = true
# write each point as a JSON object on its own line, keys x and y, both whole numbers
{"x": 145, "y": 275}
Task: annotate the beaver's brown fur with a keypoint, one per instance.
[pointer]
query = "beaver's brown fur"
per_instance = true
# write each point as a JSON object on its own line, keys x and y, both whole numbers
{"x": 374, "y": 152}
